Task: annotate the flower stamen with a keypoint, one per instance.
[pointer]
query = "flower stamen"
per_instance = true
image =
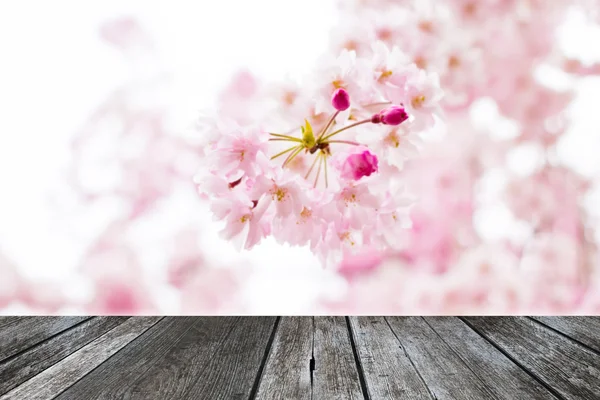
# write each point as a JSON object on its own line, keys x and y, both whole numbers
{"x": 384, "y": 75}
{"x": 392, "y": 139}
{"x": 320, "y": 158}
{"x": 279, "y": 193}
{"x": 417, "y": 101}
{"x": 338, "y": 84}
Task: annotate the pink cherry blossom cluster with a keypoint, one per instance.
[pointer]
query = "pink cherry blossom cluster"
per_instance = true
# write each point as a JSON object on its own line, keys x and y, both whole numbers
{"x": 130, "y": 139}
{"x": 343, "y": 162}
{"x": 153, "y": 165}
{"x": 486, "y": 278}
{"x": 129, "y": 157}
{"x": 471, "y": 44}
{"x": 491, "y": 51}
{"x": 130, "y": 135}
{"x": 320, "y": 163}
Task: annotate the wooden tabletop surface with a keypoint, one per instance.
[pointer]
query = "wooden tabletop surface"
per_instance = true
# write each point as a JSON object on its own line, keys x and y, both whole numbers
{"x": 84, "y": 358}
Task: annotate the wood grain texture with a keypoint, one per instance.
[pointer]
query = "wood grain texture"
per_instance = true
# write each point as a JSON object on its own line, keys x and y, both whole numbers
{"x": 9, "y": 320}
{"x": 501, "y": 376}
{"x": 154, "y": 358}
{"x": 586, "y": 330}
{"x": 389, "y": 373}
{"x": 172, "y": 375}
{"x": 446, "y": 375}
{"x": 25, "y": 332}
{"x": 570, "y": 369}
{"x": 62, "y": 375}
{"x": 113, "y": 378}
{"x": 34, "y": 360}
{"x": 287, "y": 373}
{"x": 234, "y": 368}
{"x": 336, "y": 373}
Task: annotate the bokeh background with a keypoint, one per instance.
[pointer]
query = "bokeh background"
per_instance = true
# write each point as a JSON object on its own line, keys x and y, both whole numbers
{"x": 98, "y": 102}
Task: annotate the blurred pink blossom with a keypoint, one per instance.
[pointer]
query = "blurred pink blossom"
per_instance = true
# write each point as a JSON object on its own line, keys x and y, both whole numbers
{"x": 342, "y": 162}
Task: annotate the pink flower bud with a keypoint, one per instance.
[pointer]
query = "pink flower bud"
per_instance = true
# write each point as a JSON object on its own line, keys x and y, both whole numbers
{"x": 358, "y": 165}
{"x": 376, "y": 118}
{"x": 340, "y": 100}
{"x": 393, "y": 115}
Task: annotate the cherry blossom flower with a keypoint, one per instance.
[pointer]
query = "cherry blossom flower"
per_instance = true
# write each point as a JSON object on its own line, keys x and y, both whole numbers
{"x": 393, "y": 115}
{"x": 363, "y": 161}
{"x": 395, "y": 145}
{"x": 266, "y": 181}
{"x": 359, "y": 164}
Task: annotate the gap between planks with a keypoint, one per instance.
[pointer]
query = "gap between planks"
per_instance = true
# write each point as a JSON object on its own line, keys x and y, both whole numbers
{"x": 40, "y": 325}
{"x": 359, "y": 368}
{"x": 564, "y": 334}
{"x": 554, "y": 392}
{"x": 57, "y": 378}
{"x": 265, "y": 358}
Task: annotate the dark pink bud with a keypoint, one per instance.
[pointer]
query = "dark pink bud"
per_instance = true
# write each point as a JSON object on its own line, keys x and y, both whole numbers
{"x": 360, "y": 164}
{"x": 376, "y": 118}
{"x": 393, "y": 115}
{"x": 340, "y": 99}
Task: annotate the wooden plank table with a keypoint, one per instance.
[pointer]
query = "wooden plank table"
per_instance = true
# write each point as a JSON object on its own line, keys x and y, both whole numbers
{"x": 308, "y": 358}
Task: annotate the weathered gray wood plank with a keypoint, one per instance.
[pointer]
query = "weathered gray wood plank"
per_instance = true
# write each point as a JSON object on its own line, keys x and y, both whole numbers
{"x": 583, "y": 329}
{"x": 5, "y": 321}
{"x": 287, "y": 373}
{"x": 25, "y": 332}
{"x": 235, "y": 366}
{"x": 336, "y": 375}
{"x": 444, "y": 372}
{"x": 34, "y": 360}
{"x": 503, "y": 378}
{"x": 389, "y": 373}
{"x": 172, "y": 375}
{"x": 219, "y": 358}
{"x": 62, "y": 375}
{"x": 569, "y": 368}
{"x": 112, "y": 379}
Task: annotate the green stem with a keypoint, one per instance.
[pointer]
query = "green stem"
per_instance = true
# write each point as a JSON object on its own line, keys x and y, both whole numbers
{"x": 324, "y": 131}
{"x": 283, "y": 152}
{"x": 292, "y": 156}
{"x": 346, "y": 127}
{"x": 311, "y": 167}
{"x": 295, "y": 139}
{"x": 319, "y": 169}
{"x": 284, "y": 140}
{"x": 343, "y": 141}
{"x": 325, "y": 170}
